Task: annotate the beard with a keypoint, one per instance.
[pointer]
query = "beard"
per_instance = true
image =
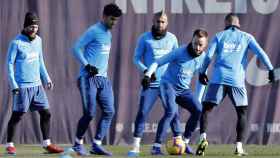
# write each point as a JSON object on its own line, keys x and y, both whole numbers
{"x": 192, "y": 52}
{"x": 31, "y": 36}
{"x": 158, "y": 34}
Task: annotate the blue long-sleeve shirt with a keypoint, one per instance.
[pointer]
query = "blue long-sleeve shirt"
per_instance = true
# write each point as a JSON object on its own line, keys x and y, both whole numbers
{"x": 93, "y": 47}
{"x": 181, "y": 69}
{"x": 25, "y": 63}
{"x": 149, "y": 49}
{"x": 231, "y": 50}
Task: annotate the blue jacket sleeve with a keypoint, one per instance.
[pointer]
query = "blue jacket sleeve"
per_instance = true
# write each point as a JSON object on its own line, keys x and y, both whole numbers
{"x": 138, "y": 54}
{"x": 161, "y": 61}
{"x": 11, "y": 57}
{"x": 255, "y": 47}
{"x": 80, "y": 45}
{"x": 209, "y": 54}
{"x": 176, "y": 45}
{"x": 43, "y": 71}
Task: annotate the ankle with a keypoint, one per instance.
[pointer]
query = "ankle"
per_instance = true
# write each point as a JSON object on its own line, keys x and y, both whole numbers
{"x": 10, "y": 144}
{"x": 97, "y": 142}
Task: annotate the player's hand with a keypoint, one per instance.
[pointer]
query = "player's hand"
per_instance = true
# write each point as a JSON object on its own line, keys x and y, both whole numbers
{"x": 153, "y": 77}
{"x": 146, "y": 82}
{"x": 203, "y": 79}
{"x": 271, "y": 76}
{"x": 49, "y": 86}
{"x": 15, "y": 91}
{"x": 92, "y": 70}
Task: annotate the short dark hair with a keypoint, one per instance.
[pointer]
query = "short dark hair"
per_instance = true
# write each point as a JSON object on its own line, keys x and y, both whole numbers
{"x": 112, "y": 10}
{"x": 200, "y": 33}
{"x": 159, "y": 14}
{"x": 229, "y": 17}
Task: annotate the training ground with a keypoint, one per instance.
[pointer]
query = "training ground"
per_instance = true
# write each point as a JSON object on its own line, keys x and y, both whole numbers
{"x": 213, "y": 151}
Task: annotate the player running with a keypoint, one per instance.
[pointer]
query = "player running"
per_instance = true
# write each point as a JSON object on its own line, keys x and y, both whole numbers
{"x": 228, "y": 77}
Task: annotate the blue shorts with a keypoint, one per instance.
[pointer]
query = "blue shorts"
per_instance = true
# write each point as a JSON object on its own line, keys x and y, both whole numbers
{"x": 215, "y": 93}
{"x": 95, "y": 90}
{"x": 33, "y": 98}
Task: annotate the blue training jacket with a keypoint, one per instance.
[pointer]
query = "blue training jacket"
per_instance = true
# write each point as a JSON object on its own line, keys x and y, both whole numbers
{"x": 231, "y": 48}
{"x": 149, "y": 49}
{"x": 25, "y": 63}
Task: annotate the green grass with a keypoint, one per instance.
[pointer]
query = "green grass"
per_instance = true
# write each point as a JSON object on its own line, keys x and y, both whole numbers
{"x": 213, "y": 151}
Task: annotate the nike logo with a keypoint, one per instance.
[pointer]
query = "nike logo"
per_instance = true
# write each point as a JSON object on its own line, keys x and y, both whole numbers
{"x": 256, "y": 76}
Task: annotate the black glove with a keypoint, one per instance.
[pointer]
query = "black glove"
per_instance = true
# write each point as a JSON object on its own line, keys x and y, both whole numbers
{"x": 146, "y": 82}
{"x": 92, "y": 70}
{"x": 203, "y": 79}
{"x": 153, "y": 77}
{"x": 271, "y": 76}
{"x": 15, "y": 91}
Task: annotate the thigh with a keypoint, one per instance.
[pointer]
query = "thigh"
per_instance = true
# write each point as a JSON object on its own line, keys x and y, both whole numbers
{"x": 168, "y": 96}
{"x": 40, "y": 100}
{"x": 88, "y": 95}
{"x": 188, "y": 101}
{"x": 148, "y": 98}
{"x": 105, "y": 94}
{"x": 215, "y": 93}
{"x": 238, "y": 96}
{"x": 21, "y": 101}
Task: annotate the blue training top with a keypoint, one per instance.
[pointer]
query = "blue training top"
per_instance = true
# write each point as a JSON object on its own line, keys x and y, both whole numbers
{"x": 181, "y": 68}
{"x": 25, "y": 63}
{"x": 150, "y": 49}
{"x": 93, "y": 47}
{"x": 231, "y": 49}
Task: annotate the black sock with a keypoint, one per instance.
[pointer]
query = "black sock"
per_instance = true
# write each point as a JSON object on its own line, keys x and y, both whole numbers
{"x": 45, "y": 117}
{"x": 83, "y": 126}
{"x": 15, "y": 118}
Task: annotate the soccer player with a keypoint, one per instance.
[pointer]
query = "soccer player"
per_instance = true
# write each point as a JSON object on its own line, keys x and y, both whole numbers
{"x": 92, "y": 50}
{"x": 175, "y": 85}
{"x": 151, "y": 46}
{"x": 27, "y": 72}
{"x": 228, "y": 78}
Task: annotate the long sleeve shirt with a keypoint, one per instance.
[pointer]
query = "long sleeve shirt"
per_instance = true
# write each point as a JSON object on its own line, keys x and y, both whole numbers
{"x": 93, "y": 47}
{"x": 25, "y": 63}
{"x": 181, "y": 69}
{"x": 149, "y": 49}
{"x": 231, "y": 48}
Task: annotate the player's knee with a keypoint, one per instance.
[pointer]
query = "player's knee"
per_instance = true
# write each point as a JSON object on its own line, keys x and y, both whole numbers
{"x": 45, "y": 114}
{"x": 109, "y": 113}
{"x": 198, "y": 112}
{"x": 141, "y": 114}
{"x": 48, "y": 114}
{"x": 208, "y": 106}
{"x": 16, "y": 117}
{"x": 198, "y": 109}
{"x": 242, "y": 110}
{"x": 87, "y": 117}
{"x": 170, "y": 113}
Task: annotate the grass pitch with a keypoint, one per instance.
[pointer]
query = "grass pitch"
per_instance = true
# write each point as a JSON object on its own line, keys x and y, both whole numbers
{"x": 213, "y": 151}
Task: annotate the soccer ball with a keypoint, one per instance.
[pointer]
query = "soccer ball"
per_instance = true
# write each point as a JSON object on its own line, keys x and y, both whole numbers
{"x": 175, "y": 146}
